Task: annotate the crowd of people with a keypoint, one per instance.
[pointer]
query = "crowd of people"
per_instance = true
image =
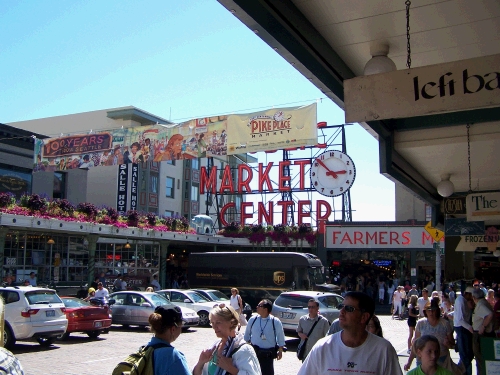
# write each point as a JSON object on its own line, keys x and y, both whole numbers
{"x": 437, "y": 324}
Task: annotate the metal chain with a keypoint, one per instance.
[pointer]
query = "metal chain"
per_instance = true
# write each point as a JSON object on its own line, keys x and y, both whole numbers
{"x": 408, "y": 46}
{"x": 468, "y": 157}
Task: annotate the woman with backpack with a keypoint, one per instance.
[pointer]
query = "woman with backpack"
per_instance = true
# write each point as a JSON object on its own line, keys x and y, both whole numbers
{"x": 166, "y": 325}
{"x": 230, "y": 354}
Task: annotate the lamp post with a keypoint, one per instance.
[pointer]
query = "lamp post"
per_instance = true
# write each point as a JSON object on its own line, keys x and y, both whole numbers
{"x": 51, "y": 242}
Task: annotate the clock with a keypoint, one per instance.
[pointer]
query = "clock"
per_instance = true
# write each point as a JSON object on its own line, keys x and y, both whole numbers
{"x": 332, "y": 173}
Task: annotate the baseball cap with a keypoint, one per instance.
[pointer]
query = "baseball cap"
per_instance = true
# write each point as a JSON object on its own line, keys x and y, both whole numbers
{"x": 413, "y": 286}
{"x": 469, "y": 289}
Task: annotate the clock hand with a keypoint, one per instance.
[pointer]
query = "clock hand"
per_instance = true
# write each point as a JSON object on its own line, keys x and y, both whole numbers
{"x": 340, "y": 172}
{"x": 329, "y": 172}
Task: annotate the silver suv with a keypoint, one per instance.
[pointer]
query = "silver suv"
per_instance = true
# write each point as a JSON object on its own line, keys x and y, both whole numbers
{"x": 290, "y": 306}
{"x": 32, "y": 312}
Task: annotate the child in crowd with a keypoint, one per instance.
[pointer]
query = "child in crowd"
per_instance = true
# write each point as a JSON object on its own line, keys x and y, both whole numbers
{"x": 427, "y": 349}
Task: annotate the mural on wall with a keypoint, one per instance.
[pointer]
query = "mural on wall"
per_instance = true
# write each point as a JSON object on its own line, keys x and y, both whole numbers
{"x": 204, "y": 137}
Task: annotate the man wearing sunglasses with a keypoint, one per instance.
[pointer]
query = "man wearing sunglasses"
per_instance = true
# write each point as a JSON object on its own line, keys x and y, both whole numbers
{"x": 306, "y": 324}
{"x": 265, "y": 333}
{"x": 353, "y": 350}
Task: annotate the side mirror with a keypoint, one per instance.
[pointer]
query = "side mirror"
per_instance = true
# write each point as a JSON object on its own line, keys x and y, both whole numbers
{"x": 145, "y": 304}
{"x": 111, "y": 302}
{"x": 187, "y": 300}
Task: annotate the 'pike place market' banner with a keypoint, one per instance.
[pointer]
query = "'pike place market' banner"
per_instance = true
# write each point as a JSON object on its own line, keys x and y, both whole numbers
{"x": 268, "y": 130}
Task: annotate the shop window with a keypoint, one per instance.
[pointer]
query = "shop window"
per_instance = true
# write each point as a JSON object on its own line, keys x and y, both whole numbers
{"x": 170, "y": 187}
{"x": 153, "y": 186}
{"x": 59, "y": 191}
{"x": 194, "y": 193}
{"x": 195, "y": 163}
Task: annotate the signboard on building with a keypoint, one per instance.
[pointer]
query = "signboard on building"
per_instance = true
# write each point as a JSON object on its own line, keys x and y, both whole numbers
{"x": 450, "y": 87}
{"x": 489, "y": 239}
{"x": 217, "y": 136}
{"x": 483, "y": 206}
{"x": 377, "y": 237}
{"x": 454, "y": 206}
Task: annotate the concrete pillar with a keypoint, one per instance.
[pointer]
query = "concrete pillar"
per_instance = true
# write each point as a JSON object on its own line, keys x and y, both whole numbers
{"x": 92, "y": 244}
{"x": 3, "y": 235}
{"x": 162, "y": 278}
{"x": 413, "y": 264}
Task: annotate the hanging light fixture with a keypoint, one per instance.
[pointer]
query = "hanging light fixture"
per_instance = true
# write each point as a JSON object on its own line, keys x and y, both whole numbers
{"x": 51, "y": 241}
{"x": 127, "y": 245}
{"x": 445, "y": 188}
{"x": 379, "y": 63}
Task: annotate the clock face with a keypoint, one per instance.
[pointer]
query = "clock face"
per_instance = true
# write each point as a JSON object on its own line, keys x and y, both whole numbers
{"x": 332, "y": 173}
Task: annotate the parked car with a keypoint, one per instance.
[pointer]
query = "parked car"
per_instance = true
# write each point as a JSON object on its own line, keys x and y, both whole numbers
{"x": 134, "y": 308}
{"x": 32, "y": 312}
{"x": 193, "y": 300}
{"x": 290, "y": 306}
{"x": 85, "y": 317}
{"x": 219, "y": 297}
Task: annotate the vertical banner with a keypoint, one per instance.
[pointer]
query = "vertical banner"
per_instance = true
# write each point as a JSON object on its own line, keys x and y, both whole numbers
{"x": 133, "y": 187}
{"x": 121, "y": 197}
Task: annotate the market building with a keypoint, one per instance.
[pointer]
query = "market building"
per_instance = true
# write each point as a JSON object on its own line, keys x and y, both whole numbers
{"x": 169, "y": 189}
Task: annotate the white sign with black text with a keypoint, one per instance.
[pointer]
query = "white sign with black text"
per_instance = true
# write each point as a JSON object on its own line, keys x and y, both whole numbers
{"x": 450, "y": 87}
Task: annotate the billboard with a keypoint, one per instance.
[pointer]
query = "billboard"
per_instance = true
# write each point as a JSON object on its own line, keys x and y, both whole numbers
{"x": 267, "y": 130}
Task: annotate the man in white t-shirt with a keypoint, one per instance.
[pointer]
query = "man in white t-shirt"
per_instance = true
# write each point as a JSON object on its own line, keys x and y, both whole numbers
{"x": 397, "y": 301}
{"x": 422, "y": 301}
{"x": 101, "y": 292}
{"x": 354, "y": 349}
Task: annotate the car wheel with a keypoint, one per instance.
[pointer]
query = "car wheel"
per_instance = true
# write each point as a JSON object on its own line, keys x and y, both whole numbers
{"x": 204, "y": 319}
{"x": 8, "y": 337}
{"x": 45, "y": 341}
{"x": 64, "y": 336}
{"x": 93, "y": 334}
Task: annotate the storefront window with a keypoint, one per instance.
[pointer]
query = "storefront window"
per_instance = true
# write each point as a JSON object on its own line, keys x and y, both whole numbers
{"x": 15, "y": 182}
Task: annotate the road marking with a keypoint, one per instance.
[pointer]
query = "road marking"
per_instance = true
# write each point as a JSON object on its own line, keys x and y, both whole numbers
{"x": 99, "y": 360}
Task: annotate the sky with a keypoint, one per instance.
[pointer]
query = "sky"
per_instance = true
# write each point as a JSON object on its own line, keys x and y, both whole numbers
{"x": 175, "y": 59}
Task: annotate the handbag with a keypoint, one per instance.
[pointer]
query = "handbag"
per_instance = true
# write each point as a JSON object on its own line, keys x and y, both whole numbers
{"x": 301, "y": 349}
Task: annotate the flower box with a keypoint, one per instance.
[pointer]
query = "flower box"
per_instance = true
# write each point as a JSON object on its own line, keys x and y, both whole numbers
{"x": 16, "y": 220}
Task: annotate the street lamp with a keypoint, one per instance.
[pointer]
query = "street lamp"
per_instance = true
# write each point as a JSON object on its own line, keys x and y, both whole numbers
{"x": 51, "y": 242}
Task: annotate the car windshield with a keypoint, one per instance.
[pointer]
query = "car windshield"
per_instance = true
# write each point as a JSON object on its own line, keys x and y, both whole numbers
{"x": 75, "y": 302}
{"x": 330, "y": 301}
{"x": 196, "y": 297}
{"x": 316, "y": 275}
{"x": 42, "y": 297}
{"x": 217, "y": 295}
{"x": 159, "y": 300}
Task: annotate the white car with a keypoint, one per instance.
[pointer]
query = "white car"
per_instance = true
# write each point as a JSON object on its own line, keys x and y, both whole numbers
{"x": 290, "y": 306}
{"x": 32, "y": 312}
{"x": 191, "y": 299}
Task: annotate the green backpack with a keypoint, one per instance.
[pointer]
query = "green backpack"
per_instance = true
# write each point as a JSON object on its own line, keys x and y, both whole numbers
{"x": 139, "y": 363}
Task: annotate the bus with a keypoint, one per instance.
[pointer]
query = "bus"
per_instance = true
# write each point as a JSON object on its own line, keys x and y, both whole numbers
{"x": 257, "y": 275}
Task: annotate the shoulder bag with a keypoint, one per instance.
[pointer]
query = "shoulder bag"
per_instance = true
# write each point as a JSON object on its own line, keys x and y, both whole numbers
{"x": 301, "y": 349}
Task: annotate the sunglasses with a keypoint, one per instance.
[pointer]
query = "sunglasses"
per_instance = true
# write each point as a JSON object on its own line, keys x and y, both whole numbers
{"x": 260, "y": 305}
{"x": 476, "y": 284}
{"x": 347, "y": 308}
{"x": 311, "y": 307}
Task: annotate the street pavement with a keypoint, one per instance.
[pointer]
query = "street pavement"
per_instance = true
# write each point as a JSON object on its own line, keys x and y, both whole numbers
{"x": 81, "y": 355}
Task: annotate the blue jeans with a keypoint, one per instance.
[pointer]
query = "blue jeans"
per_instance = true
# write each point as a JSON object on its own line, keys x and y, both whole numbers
{"x": 464, "y": 344}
